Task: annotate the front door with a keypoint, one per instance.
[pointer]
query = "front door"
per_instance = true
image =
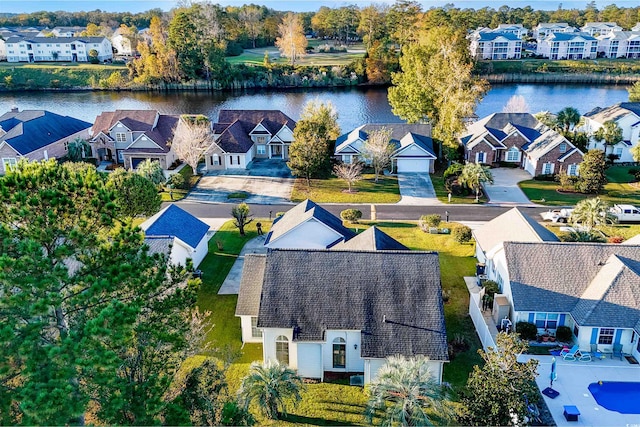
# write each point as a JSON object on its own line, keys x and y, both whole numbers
{"x": 276, "y": 151}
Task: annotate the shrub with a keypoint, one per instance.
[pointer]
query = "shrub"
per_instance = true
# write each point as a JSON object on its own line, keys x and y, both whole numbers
{"x": 234, "y": 49}
{"x": 461, "y": 234}
{"x": 427, "y": 221}
{"x": 454, "y": 170}
{"x": 545, "y": 177}
{"x": 527, "y": 331}
{"x": 615, "y": 239}
{"x": 490, "y": 287}
{"x": 563, "y": 333}
{"x": 176, "y": 181}
{"x": 351, "y": 215}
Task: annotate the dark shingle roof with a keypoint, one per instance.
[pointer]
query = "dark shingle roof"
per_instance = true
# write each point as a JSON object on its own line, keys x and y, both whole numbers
{"x": 234, "y": 139}
{"x": 394, "y": 298}
{"x": 371, "y": 239}
{"x": 251, "y": 285}
{"x": 30, "y": 130}
{"x": 234, "y": 127}
{"x": 599, "y": 284}
{"x": 175, "y": 222}
{"x": 157, "y": 127}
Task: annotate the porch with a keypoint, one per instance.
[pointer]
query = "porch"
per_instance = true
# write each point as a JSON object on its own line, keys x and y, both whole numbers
{"x": 278, "y": 151}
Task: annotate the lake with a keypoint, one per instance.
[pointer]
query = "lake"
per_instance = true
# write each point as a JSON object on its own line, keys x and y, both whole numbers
{"x": 355, "y": 106}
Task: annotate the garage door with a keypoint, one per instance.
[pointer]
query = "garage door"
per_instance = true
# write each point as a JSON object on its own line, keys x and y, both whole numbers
{"x": 413, "y": 165}
{"x": 135, "y": 161}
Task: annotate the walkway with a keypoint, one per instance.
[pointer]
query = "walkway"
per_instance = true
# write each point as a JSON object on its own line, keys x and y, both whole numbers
{"x": 504, "y": 189}
{"x": 231, "y": 284}
{"x": 416, "y": 189}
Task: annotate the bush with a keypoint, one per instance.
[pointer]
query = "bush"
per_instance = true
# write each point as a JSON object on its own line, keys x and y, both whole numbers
{"x": 454, "y": 170}
{"x": 427, "y": 221}
{"x": 351, "y": 215}
{"x": 545, "y": 177}
{"x": 91, "y": 160}
{"x": 615, "y": 239}
{"x": 461, "y": 234}
{"x": 527, "y": 331}
{"x": 490, "y": 287}
{"x": 234, "y": 49}
{"x": 564, "y": 334}
{"x": 176, "y": 181}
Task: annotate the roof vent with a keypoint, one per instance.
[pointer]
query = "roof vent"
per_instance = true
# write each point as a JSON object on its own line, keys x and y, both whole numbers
{"x": 14, "y": 109}
{"x": 384, "y": 318}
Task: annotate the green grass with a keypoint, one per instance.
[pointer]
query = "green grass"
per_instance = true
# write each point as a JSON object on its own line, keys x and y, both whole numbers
{"x": 256, "y": 56}
{"x": 619, "y": 189}
{"x": 179, "y": 194}
{"x": 331, "y": 190}
{"x": 238, "y": 195}
{"x": 527, "y": 66}
{"x": 443, "y": 195}
{"x": 55, "y": 75}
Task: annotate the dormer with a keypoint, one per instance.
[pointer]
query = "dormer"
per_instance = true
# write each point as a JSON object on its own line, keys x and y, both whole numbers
{"x": 260, "y": 134}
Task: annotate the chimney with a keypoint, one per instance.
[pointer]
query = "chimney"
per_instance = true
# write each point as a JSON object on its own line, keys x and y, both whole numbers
{"x": 14, "y": 109}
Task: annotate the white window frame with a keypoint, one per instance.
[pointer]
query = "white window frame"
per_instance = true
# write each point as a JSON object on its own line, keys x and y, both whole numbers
{"x": 618, "y": 151}
{"x": 547, "y": 320}
{"x": 261, "y": 139}
{"x": 282, "y": 350}
{"x": 339, "y": 346}
{"x": 255, "y": 332}
{"x": 572, "y": 170}
{"x": 261, "y": 149}
{"x": 481, "y": 157}
{"x": 547, "y": 166}
{"x": 9, "y": 163}
{"x": 121, "y": 137}
{"x": 563, "y": 147}
{"x": 509, "y": 157}
{"x": 604, "y": 336}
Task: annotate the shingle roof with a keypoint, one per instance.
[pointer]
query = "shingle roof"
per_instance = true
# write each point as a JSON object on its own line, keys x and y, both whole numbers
{"x": 371, "y": 239}
{"x": 599, "y": 284}
{"x": 570, "y": 36}
{"x": 421, "y": 141}
{"x": 303, "y": 212}
{"x": 614, "y": 112}
{"x": 30, "y": 130}
{"x": 234, "y": 139}
{"x": 159, "y": 245}
{"x": 251, "y": 285}
{"x": 234, "y": 127}
{"x": 161, "y": 131}
{"x": 22, "y": 37}
{"x": 398, "y": 132}
{"x": 394, "y": 298}
{"x": 512, "y": 225}
{"x": 172, "y": 221}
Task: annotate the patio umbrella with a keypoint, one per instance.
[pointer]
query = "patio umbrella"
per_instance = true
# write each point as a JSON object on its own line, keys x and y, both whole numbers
{"x": 554, "y": 375}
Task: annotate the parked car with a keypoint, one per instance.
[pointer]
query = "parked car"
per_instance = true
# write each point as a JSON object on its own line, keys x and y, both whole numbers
{"x": 626, "y": 213}
{"x": 557, "y": 215}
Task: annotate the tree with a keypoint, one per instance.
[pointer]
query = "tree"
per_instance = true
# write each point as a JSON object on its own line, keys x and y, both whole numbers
{"x": 590, "y": 213}
{"x": 402, "y": 21}
{"x": 377, "y": 150}
{"x": 371, "y": 25}
{"x": 310, "y": 152}
{"x": 496, "y": 391}
{"x": 192, "y": 138}
{"x": 270, "y": 385}
{"x": 350, "y": 172}
{"x": 634, "y": 92}
{"x": 292, "y": 41}
{"x": 80, "y": 300}
{"x": 436, "y": 84}
{"x": 251, "y": 17}
{"x": 407, "y": 394}
{"x": 151, "y": 170}
{"x": 473, "y": 175}
{"x": 567, "y": 119}
{"x": 241, "y": 215}
{"x": 135, "y": 194}
{"x": 609, "y": 133}
{"x": 592, "y": 172}
{"x": 380, "y": 61}
{"x": 158, "y": 60}
{"x": 547, "y": 118}
{"x": 351, "y": 215}
{"x": 93, "y": 56}
{"x": 635, "y": 152}
{"x": 78, "y": 149}
{"x": 516, "y": 104}
{"x": 461, "y": 234}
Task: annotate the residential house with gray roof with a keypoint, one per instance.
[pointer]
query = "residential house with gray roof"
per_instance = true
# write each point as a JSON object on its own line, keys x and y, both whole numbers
{"x": 495, "y": 45}
{"x": 627, "y": 116}
{"x": 322, "y": 311}
{"x": 67, "y": 49}
{"x": 578, "y": 45}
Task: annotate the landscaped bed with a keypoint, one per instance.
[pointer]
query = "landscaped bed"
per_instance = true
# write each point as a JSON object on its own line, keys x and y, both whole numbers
{"x": 332, "y": 190}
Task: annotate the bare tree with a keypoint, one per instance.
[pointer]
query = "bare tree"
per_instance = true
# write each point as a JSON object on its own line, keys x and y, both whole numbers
{"x": 292, "y": 41}
{"x": 350, "y": 172}
{"x": 192, "y": 139}
{"x": 516, "y": 104}
{"x": 378, "y": 149}
{"x": 251, "y": 17}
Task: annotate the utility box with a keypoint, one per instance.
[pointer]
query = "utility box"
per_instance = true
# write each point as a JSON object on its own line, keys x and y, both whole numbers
{"x": 501, "y": 308}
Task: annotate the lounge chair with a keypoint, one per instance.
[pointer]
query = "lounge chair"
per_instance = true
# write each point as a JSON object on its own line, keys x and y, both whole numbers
{"x": 595, "y": 353}
{"x": 571, "y": 354}
{"x": 617, "y": 351}
{"x": 583, "y": 357}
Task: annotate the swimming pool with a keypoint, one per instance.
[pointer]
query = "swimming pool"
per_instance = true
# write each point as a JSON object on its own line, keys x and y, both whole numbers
{"x": 617, "y": 396}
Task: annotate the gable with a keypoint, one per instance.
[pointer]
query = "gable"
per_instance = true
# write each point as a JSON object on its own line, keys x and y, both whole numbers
{"x": 259, "y": 130}
{"x": 310, "y": 234}
{"x": 413, "y": 150}
{"x": 285, "y": 134}
{"x": 143, "y": 141}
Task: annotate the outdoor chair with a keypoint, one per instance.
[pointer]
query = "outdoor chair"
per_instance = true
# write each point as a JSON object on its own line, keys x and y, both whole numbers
{"x": 617, "y": 351}
{"x": 571, "y": 354}
{"x": 583, "y": 357}
{"x": 595, "y": 353}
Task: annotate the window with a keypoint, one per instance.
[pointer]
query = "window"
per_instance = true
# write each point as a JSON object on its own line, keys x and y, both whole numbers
{"x": 606, "y": 336}
{"x": 238, "y": 159}
{"x": 513, "y": 155}
{"x": 282, "y": 349}
{"x": 261, "y": 149}
{"x": 215, "y": 160}
{"x": 547, "y": 168}
{"x": 121, "y": 137}
{"x": 480, "y": 157}
{"x": 339, "y": 353}
{"x": 618, "y": 152}
{"x": 563, "y": 147}
{"x": 9, "y": 163}
{"x": 230, "y": 160}
{"x": 572, "y": 170}
{"x": 261, "y": 139}
{"x": 576, "y": 329}
{"x": 255, "y": 332}
{"x": 547, "y": 320}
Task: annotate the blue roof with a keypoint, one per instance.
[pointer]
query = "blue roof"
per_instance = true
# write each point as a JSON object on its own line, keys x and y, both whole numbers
{"x": 530, "y": 133}
{"x": 32, "y": 130}
{"x": 570, "y": 36}
{"x": 484, "y": 37}
{"x": 175, "y": 222}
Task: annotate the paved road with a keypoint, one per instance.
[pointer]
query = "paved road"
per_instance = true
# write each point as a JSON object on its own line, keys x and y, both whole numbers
{"x": 384, "y": 212}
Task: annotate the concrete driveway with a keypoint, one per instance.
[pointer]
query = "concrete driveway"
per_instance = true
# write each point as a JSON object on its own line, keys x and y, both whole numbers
{"x": 416, "y": 189}
{"x": 260, "y": 189}
{"x": 231, "y": 284}
{"x": 504, "y": 189}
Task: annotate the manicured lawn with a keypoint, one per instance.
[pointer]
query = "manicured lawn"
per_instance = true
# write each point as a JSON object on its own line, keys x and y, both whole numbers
{"x": 331, "y": 190}
{"x": 443, "y": 195}
{"x": 179, "y": 194}
{"x": 256, "y": 56}
{"x": 56, "y": 75}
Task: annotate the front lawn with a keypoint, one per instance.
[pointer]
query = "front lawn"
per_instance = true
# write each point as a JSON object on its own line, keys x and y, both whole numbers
{"x": 443, "y": 195}
{"x": 179, "y": 193}
{"x": 330, "y": 190}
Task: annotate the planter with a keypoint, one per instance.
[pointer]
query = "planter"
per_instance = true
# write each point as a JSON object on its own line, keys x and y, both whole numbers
{"x": 552, "y": 339}
{"x": 545, "y": 338}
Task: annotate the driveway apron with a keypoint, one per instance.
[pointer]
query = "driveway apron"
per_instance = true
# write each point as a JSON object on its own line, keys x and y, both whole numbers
{"x": 416, "y": 189}
{"x": 260, "y": 189}
{"x": 504, "y": 189}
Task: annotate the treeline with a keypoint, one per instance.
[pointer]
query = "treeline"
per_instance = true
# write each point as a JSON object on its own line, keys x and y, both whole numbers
{"x": 79, "y": 19}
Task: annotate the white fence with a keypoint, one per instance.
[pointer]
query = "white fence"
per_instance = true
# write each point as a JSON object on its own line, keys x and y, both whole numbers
{"x": 478, "y": 320}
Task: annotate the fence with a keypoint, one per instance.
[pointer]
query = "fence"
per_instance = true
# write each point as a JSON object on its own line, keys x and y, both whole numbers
{"x": 478, "y": 320}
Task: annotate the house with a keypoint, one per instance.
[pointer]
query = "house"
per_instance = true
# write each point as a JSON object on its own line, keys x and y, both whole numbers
{"x": 128, "y": 137}
{"x": 517, "y": 30}
{"x": 36, "y": 135}
{"x": 63, "y": 31}
{"x": 242, "y": 135}
{"x": 568, "y": 46}
{"x": 518, "y": 138}
{"x": 620, "y": 44}
{"x": 307, "y": 226}
{"x": 413, "y": 146}
{"x": 121, "y": 43}
{"x": 511, "y": 226}
{"x": 592, "y": 288}
{"x": 322, "y": 311}
{"x": 178, "y": 234}
{"x": 70, "y": 49}
{"x": 600, "y": 28}
{"x": 371, "y": 239}
{"x": 627, "y": 116}
{"x": 543, "y": 29}
{"x": 495, "y": 45}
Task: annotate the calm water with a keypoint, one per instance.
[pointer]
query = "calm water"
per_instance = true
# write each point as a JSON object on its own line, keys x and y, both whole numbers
{"x": 355, "y": 106}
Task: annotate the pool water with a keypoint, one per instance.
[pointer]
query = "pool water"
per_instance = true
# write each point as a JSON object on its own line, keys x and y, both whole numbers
{"x": 618, "y": 396}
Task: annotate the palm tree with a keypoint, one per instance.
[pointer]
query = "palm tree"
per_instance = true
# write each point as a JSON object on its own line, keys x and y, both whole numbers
{"x": 473, "y": 175}
{"x": 269, "y": 384}
{"x": 408, "y": 394}
{"x": 568, "y": 118}
{"x": 591, "y": 213}
{"x": 610, "y": 133}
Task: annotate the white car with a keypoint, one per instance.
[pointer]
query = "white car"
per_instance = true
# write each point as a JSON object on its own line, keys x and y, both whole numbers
{"x": 557, "y": 215}
{"x": 626, "y": 213}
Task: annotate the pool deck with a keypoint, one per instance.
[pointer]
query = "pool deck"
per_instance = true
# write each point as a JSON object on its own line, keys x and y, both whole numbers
{"x": 572, "y": 383}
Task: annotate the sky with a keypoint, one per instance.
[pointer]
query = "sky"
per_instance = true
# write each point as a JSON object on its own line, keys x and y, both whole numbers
{"x": 27, "y": 6}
